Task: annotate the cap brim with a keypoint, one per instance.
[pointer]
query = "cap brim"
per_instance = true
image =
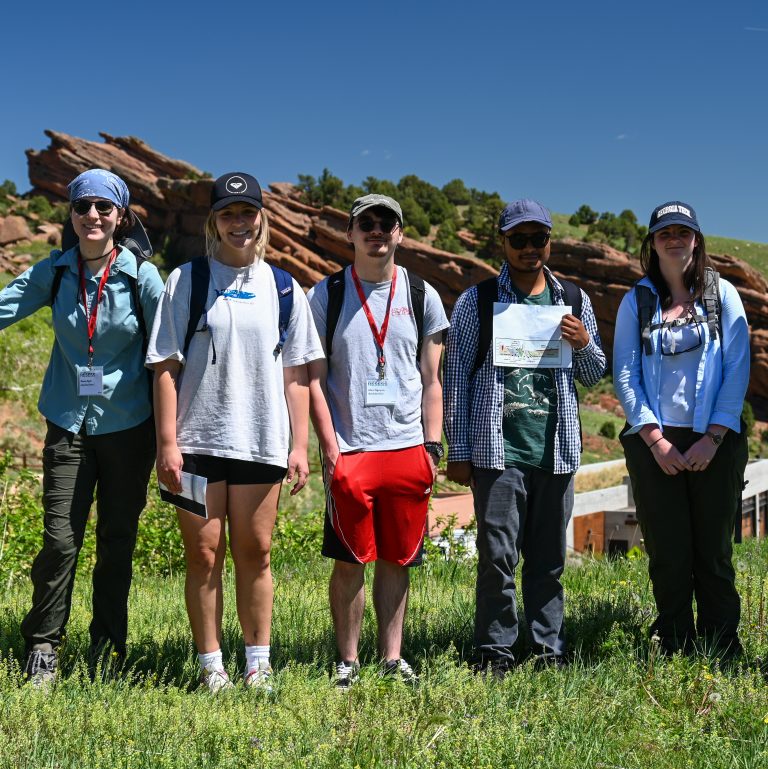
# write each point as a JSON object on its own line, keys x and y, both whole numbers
{"x": 378, "y": 204}
{"x": 224, "y": 202}
{"x": 507, "y": 227}
{"x": 674, "y": 220}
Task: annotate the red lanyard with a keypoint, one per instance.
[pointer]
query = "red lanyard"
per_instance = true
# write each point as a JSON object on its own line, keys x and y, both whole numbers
{"x": 379, "y": 336}
{"x": 91, "y": 316}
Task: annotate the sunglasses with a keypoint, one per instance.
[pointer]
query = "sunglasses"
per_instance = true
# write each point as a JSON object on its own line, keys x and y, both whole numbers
{"x": 519, "y": 240}
{"x": 83, "y": 207}
{"x": 385, "y": 224}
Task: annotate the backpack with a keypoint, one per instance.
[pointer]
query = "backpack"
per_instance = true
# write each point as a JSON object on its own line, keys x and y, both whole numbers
{"x": 336, "y": 285}
{"x": 198, "y": 296}
{"x": 488, "y": 293}
{"x": 710, "y": 298}
{"x": 136, "y": 241}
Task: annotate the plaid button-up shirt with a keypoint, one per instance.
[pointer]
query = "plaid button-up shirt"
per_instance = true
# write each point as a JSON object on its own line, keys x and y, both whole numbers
{"x": 474, "y": 404}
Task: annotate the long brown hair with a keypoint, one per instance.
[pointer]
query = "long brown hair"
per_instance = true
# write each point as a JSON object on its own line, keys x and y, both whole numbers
{"x": 693, "y": 277}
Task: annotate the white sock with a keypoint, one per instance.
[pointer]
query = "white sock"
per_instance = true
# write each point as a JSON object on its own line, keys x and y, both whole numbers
{"x": 254, "y": 655}
{"x": 211, "y": 660}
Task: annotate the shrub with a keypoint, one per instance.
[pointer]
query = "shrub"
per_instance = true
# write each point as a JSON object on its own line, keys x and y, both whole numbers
{"x": 584, "y": 215}
{"x": 608, "y": 430}
{"x": 748, "y": 415}
{"x": 446, "y": 238}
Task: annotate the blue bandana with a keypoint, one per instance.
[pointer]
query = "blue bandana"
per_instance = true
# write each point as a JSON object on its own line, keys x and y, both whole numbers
{"x": 99, "y": 183}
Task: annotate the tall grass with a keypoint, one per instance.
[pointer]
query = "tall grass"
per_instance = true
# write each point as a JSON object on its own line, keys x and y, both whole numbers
{"x": 619, "y": 705}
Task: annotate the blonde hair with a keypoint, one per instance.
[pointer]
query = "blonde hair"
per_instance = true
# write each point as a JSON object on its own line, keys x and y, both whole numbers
{"x": 212, "y": 240}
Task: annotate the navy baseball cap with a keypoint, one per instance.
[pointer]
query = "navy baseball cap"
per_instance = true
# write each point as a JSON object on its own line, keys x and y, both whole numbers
{"x": 235, "y": 188}
{"x": 524, "y": 210}
{"x": 673, "y": 212}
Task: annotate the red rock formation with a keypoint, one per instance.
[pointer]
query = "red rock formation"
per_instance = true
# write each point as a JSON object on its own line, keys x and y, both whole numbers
{"x": 13, "y": 229}
{"x": 172, "y": 197}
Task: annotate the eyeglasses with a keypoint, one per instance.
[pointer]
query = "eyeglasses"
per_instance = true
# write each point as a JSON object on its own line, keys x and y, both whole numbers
{"x": 385, "y": 224}
{"x": 680, "y": 335}
{"x": 519, "y": 240}
{"x": 83, "y": 207}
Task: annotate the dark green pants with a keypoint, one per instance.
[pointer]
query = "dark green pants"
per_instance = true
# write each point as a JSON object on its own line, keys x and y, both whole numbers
{"x": 688, "y": 523}
{"x": 116, "y": 466}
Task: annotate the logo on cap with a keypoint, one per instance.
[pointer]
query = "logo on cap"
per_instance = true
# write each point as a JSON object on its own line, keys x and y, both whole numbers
{"x": 673, "y": 209}
{"x": 236, "y": 185}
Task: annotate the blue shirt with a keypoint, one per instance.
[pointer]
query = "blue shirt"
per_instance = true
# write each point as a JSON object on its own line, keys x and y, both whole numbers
{"x": 473, "y": 405}
{"x": 722, "y": 373}
{"x": 117, "y": 340}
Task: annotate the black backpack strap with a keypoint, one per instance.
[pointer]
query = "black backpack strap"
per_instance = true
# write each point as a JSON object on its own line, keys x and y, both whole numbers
{"x": 140, "y": 259}
{"x": 198, "y": 296}
{"x": 710, "y": 298}
{"x": 487, "y": 294}
{"x": 573, "y": 297}
{"x": 284, "y": 286}
{"x": 58, "y": 274}
{"x": 646, "y": 307}
{"x": 418, "y": 298}
{"x": 333, "y": 310}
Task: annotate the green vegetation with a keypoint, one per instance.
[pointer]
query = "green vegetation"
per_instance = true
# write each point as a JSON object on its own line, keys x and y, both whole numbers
{"x": 619, "y": 705}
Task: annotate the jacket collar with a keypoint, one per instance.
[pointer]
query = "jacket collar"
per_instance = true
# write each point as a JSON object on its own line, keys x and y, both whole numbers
{"x": 125, "y": 261}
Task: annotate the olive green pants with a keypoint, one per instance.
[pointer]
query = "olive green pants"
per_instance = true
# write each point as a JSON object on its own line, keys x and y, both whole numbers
{"x": 115, "y": 466}
{"x": 687, "y": 522}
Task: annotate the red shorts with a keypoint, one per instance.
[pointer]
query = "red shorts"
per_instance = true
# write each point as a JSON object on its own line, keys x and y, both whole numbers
{"x": 376, "y": 506}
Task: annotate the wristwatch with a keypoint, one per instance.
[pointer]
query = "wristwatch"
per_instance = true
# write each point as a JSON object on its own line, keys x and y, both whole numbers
{"x": 716, "y": 438}
{"x": 435, "y": 448}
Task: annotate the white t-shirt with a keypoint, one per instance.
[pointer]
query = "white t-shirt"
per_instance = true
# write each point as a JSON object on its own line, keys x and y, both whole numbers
{"x": 354, "y": 360}
{"x": 231, "y": 401}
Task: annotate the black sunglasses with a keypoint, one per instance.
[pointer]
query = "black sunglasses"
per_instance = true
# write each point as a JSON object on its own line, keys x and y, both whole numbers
{"x": 385, "y": 224}
{"x": 83, "y": 207}
{"x": 519, "y": 240}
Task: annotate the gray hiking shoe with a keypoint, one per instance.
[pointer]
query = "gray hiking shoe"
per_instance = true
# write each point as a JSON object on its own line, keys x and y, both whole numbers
{"x": 399, "y": 668}
{"x": 41, "y": 669}
{"x": 259, "y": 678}
{"x": 347, "y": 674}
{"x": 216, "y": 680}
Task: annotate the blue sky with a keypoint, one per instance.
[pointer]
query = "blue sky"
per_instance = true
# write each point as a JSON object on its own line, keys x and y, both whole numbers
{"x": 618, "y": 105}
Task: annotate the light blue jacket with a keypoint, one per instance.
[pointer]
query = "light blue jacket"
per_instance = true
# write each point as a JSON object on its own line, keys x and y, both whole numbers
{"x": 117, "y": 341}
{"x": 722, "y": 376}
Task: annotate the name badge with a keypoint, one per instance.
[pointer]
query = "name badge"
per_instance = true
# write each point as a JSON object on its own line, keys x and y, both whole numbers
{"x": 90, "y": 381}
{"x": 380, "y": 392}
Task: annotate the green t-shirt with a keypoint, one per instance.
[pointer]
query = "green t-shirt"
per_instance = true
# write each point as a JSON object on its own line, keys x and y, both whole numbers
{"x": 529, "y": 419}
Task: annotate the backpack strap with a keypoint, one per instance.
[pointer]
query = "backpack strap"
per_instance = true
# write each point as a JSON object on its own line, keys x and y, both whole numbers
{"x": 333, "y": 310}
{"x": 418, "y": 298}
{"x": 573, "y": 297}
{"x": 646, "y": 307}
{"x": 198, "y": 296}
{"x": 284, "y": 285}
{"x": 487, "y": 294}
{"x": 56, "y": 284}
{"x": 710, "y": 298}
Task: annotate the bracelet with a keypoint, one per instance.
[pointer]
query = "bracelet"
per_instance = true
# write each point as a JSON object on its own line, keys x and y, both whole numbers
{"x": 651, "y": 445}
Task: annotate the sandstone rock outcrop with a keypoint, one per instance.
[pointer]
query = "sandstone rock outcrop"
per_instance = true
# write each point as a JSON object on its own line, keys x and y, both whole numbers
{"x": 172, "y": 197}
{"x": 13, "y": 229}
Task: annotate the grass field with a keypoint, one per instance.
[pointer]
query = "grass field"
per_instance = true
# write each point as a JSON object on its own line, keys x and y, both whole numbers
{"x": 619, "y": 705}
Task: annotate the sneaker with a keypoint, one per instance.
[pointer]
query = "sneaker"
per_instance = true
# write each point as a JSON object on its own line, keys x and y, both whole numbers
{"x": 543, "y": 661}
{"x": 347, "y": 673}
{"x": 41, "y": 669}
{"x": 259, "y": 678}
{"x": 399, "y": 668}
{"x": 216, "y": 680}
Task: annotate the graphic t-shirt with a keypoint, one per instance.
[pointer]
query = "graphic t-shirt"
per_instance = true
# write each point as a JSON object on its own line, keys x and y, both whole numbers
{"x": 529, "y": 418}
{"x": 231, "y": 400}
{"x": 361, "y": 427}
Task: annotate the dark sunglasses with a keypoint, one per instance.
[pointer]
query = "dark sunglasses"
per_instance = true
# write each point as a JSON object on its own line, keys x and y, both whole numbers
{"x": 83, "y": 207}
{"x": 385, "y": 224}
{"x": 519, "y": 240}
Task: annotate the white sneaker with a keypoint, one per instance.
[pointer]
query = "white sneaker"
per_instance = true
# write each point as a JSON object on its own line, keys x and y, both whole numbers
{"x": 259, "y": 677}
{"x": 216, "y": 680}
{"x": 399, "y": 668}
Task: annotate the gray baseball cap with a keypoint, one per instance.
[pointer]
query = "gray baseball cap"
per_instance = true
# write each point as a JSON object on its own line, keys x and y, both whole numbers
{"x": 372, "y": 201}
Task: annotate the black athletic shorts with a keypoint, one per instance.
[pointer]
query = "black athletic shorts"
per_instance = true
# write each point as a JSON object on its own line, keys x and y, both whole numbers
{"x": 236, "y": 472}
